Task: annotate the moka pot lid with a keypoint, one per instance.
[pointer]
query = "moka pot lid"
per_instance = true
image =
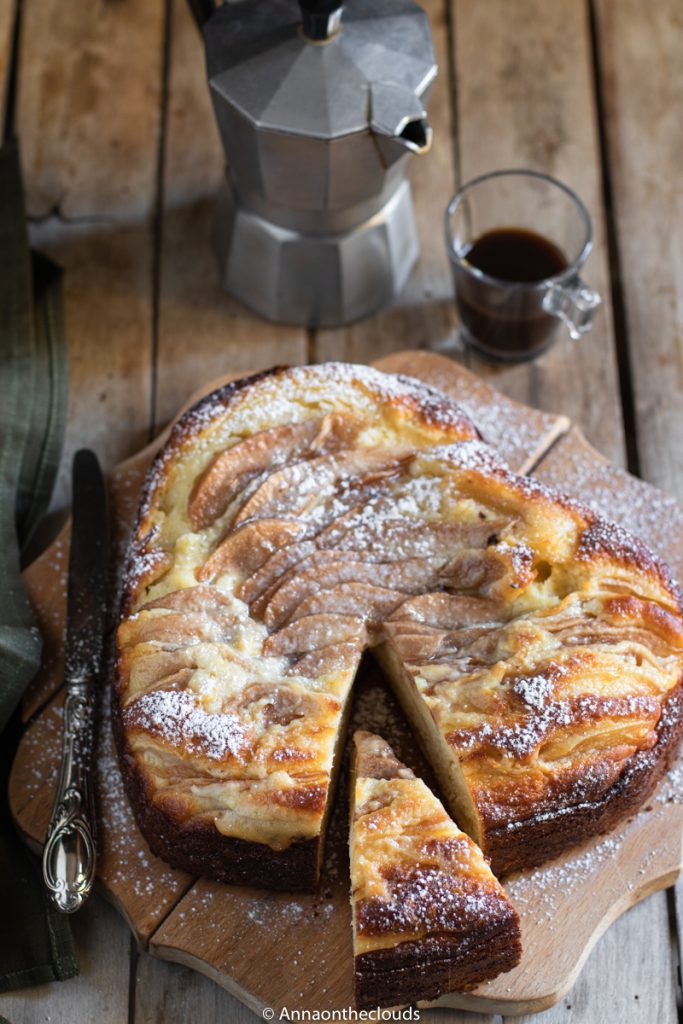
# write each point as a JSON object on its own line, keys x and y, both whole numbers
{"x": 262, "y": 62}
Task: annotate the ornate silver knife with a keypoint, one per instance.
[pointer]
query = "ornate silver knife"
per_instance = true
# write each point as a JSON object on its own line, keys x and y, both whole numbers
{"x": 69, "y": 854}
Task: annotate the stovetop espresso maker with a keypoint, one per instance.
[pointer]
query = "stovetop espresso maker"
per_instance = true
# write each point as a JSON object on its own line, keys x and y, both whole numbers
{"x": 319, "y": 105}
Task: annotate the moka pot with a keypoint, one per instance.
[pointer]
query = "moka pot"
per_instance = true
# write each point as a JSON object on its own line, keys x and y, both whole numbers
{"x": 319, "y": 107}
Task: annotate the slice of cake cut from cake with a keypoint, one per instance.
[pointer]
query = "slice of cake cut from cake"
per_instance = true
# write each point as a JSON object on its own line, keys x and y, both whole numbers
{"x": 428, "y": 914}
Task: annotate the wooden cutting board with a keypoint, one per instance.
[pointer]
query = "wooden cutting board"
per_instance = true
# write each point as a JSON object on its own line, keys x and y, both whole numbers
{"x": 279, "y": 950}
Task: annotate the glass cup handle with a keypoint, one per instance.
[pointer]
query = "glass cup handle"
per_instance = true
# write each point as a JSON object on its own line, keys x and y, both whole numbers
{"x": 574, "y": 303}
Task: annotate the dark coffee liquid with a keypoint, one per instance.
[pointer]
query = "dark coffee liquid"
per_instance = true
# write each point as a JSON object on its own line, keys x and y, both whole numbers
{"x": 513, "y": 254}
{"x": 503, "y": 321}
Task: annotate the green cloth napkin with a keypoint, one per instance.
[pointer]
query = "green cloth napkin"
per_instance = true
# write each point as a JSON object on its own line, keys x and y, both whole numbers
{"x": 35, "y": 939}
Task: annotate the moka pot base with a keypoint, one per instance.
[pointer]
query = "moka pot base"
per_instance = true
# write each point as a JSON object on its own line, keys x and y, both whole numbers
{"x": 317, "y": 280}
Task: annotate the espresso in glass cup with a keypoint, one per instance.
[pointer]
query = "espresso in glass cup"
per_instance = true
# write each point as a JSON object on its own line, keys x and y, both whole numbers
{"x": 517, "y": 241}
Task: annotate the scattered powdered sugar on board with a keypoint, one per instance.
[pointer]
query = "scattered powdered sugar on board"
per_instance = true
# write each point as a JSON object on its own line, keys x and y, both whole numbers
{"x": 277, "y": 913}
{"x": 670, "y": 789}
{"x": 40, "y": 746}
{"x": 647, "y": 512}
{"x": 543, "y": 892}
{"x": 539, "y": 891}
{"x": 131, "y": 868}
{"x": 516, "y": 438}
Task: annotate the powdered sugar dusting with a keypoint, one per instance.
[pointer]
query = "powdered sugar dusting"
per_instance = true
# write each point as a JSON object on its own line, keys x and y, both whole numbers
{"x": 535, "y": 690}
{"x": 326, "y": 384}
{"x": 177, "y": 719}
{"x": 521, "y": 739}
{"x": 482, "y": 458}
{"x": 466, "y": 455}
{"x": 428, "y": 897}
{"x": 541, "y": 892}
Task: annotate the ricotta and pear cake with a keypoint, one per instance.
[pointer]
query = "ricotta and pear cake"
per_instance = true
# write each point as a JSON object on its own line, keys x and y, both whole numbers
{"x": 429, "y": 916}
{"x": 296, "y": 518}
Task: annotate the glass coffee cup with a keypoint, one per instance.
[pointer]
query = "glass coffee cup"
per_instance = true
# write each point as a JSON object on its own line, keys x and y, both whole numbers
{"x": 517, "y": 241}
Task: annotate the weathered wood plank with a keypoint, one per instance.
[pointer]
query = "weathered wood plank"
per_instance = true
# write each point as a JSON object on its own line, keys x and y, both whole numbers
{"x": 108, "y": 305}
{"x": 100, "y": 992}
{"x": 202, "y": 333}
{"x": 167, "y": 993}
{"x": 639, "y": 47}
{"x": 423, "y": 315}
{"x": 525, "y": 99}
{"x": 642, "y": 82}
{"x": 594, "y": 998}
{"x": 88, "y": 107}
{"x": 89, "y": 93}
{"x": 7, "y": 14}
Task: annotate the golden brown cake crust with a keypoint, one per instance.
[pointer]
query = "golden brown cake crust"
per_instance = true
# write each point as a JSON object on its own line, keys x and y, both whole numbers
{"x": 425, "y": 969}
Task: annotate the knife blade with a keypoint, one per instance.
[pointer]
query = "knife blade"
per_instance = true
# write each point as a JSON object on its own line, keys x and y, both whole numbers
{"x": 70, "y": 851}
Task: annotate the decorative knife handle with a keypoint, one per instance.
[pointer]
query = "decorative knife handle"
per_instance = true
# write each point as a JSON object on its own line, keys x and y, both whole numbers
{"x": 69, "y": 853}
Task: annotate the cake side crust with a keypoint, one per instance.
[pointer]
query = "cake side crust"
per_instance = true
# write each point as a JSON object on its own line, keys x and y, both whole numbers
{"x": 197, "y": 847}
{"x": 425, "y": 969}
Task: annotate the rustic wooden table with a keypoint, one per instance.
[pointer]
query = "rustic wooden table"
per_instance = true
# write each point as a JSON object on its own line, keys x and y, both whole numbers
{"x": 122, "y": 161}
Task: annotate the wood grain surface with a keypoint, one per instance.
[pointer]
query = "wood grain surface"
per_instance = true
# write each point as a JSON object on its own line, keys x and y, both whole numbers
{"x": 93, "y": 211}
{"x": 304, "y": 940}
{"x": 7, "y": 15}
{"x": 530, "y": 103}
{"x": 121, "y": 159}
{"x": 643, "y": 95}
{"x": 88, "y": 114}
{"x": 641, "y": 77}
